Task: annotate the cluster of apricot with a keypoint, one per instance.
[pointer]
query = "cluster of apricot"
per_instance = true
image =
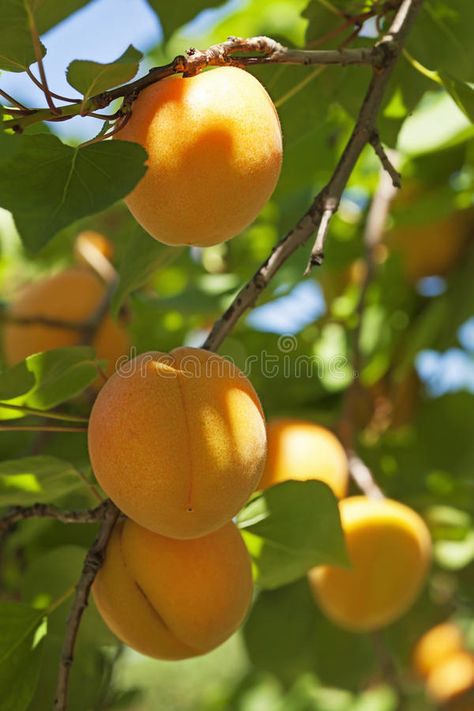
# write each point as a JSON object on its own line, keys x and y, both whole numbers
{"x": 178, "y": 442}
{"x": 388, "y": 544}
{"x": 441, "y": 659}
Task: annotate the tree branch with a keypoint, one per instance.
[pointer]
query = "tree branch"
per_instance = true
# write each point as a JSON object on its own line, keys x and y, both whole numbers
{"x": 22, "y": 513}
{"x": 328, "y": 199}
{"x": 92, "y": 565}
{"x": 235, "y": 52}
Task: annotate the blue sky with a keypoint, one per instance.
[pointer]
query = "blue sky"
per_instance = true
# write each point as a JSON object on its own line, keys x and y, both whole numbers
{"x": 101, "y": 31}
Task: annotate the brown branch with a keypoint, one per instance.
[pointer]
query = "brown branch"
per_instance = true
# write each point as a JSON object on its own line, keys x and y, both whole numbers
{"x": 92, "y": 564}
{"x": 236, "y": 52}
{"x": 22, "y": 513}
{"x": 329, "y": 197}
{"x": 376, "y": 143}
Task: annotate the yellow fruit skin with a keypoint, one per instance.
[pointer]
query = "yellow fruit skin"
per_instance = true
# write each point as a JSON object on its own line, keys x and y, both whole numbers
{"x": 298, "y": 449}
{"x": 435, "y": 647}
{"x": 178, "y": 441}
{"x": 174, "y": 599}
{"x": 214, "y": 156}
{"x": 389, "y": 547}
{"x": 72, "y": 295}
{"x": 452, "y": 679}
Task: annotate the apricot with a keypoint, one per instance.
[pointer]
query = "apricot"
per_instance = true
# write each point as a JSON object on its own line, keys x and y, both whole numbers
{"x": 389, "y": 548}
{"x": 214, "y": 156}
{"x": 435, "y": 647}
{"x": 71, "y": 296}
{"x": 452, "y": 680}
{"x": 434, "y": 247}
{"x": 298, "y": 449}
{"x": 173, "y": 599}
{"x": 178, "y": 441}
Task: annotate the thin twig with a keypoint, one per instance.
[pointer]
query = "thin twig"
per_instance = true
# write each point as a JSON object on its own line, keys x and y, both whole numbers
{"x": 317, "y": 253}
{"x": 39, "y": 59}
{"x": 22, "y": 513}
{"x": 376, "y": 143}
{"x": 47, "y": 414}
{"x": 330, "y": 195}
{"x": 13, "y": 102}
{"x": 40, "y": 428}
{"x": 92, "y": 565}
{"x": 52, "y": 93}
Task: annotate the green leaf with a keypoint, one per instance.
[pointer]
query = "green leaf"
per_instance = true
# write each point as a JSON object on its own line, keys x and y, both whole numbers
{"x": 286, "y": 635}
{"x": 21, "y": 631}
{"x": 90, "y": 78}
{"x": 40, "y": 479}
{"x": 48, "y": 185}
{"x": 16, "y": 47}
{"x": 49, "y": 577}
{"x": 461, "y": 92}
{"x": 44, "y": 380}
{"x": 441, "y": 37}
{"x": 173, "y": 15}
{"x": 141, "y": 258}
{"x": 290, "y": 528}
{"x": 49, "y": 13}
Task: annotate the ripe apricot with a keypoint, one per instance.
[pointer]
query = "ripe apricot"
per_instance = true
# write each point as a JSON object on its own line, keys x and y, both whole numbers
{"x": 435, "y": 647}
{"x": 214, "y": 155}
{"x": 389, "y": 548}
{"x": 452, "y": 680}
{"x": 298, "y": 449}
{"x": 173, "y": 599}
{"x": 178, "y": 441}
{"x": 71, "y": 296}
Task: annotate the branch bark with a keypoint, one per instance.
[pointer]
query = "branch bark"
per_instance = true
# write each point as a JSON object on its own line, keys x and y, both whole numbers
{"x": 327, "y": 201}
{"x": 92, "y": 565}
{"x": 22, "y": 513}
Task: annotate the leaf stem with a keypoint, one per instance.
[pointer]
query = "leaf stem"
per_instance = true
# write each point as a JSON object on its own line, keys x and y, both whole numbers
{"x": 47, "y": 414}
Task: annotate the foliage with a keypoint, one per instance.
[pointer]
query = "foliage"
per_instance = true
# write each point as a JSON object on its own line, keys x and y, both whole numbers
{"x": 414, "y": 410}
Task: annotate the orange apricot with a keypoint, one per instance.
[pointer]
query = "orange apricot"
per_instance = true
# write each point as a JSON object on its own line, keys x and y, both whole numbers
{"x": 214, "y": 156}
{"x": 173, "y": 599}
{"x": 389, "y": 548}
{"x": 452, "y": 681}
{"x": 70, "y": 296}
{"x": 298, "y": 449}
{"x": 436, "y": 646}
{"x": 178, "y": 441}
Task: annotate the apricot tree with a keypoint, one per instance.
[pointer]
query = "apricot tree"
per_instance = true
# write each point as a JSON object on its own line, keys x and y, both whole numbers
{"x": 311, "y": 485}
